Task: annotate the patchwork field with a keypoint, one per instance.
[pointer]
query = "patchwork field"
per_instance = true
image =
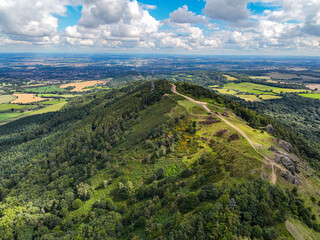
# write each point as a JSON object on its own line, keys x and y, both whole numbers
{"x": 81, "y": 86}
{"x": 27, "y": 98}
{"x": 311, "y": 95}
{"x": 6, "y": 98}
{"x": 45, "y": 89}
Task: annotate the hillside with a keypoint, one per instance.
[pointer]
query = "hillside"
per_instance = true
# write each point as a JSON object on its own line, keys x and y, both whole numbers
{"x": 174, "y": 163}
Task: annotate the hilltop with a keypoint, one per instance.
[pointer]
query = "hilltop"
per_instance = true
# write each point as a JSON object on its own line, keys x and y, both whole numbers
{"x": 180, "y": 162}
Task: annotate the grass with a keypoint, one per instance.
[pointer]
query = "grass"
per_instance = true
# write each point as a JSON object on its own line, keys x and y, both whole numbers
{"x": 15, "y": 107}
{"x": 5, "y": 116}
{"x": 57, "y": 95}
{"x": 6, "y": 98}
{"x": 311, "y": 95}
{"x": 45, "y": 89}
{"x": 261, "y": 89}
{"x": 52, "y": 102}
{"x": 252, "y": 98}
{"x": 49, "y": 108}
{"x": 303, "y": 232}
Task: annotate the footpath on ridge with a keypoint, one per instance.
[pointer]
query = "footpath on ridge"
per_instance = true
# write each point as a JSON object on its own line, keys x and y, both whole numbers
{"x": 242, "y": 133}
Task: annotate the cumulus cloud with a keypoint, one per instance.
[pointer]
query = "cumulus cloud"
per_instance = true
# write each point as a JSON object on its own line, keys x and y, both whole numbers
{"x": 29, "y": 19}
{"x": 116, "y": 23}
{"x": 183, "y": 15}
{"x": 227, "y": 10}
{"x": 128, "y": 24}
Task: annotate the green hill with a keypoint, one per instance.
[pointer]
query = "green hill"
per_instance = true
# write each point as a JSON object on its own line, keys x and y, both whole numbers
{"x": 135, "y": 164}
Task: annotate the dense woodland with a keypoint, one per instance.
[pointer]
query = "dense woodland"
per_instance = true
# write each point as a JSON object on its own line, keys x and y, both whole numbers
{"x": 109, "y": 166}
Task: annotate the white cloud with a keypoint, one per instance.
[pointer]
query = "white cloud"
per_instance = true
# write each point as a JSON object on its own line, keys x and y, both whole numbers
{"x": 128, "y": 24}
{"x": 182, "y": 15}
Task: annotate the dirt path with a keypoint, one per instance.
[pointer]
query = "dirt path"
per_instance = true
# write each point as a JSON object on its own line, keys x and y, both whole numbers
{"x": 242, "y": 133}
{"x": 291, "y": 229}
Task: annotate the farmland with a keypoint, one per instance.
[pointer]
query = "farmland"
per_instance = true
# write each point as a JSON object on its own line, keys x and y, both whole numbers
{"x": 5, "y": 116}
{"x": 27, "y": 98}
{"x": 257, "y": 92}
{"x": 311, "y": 95}
{"x": 81, "y": 86}
{"x": 6, "y": 98}
{"x": 45, "y": 89}
{"x": 57, "y": 95}
{"x": 230, "y": 78}
{"x": 12, "y": 107}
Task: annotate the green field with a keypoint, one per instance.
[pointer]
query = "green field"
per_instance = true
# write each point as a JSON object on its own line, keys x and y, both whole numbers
{"x": 45, "y": 89}
{"x": 48, "y": 95}
{"x": 6, "y": 98}
{"x": 52, "y": 102}
{"x": 311, "y": 95}
{"x": 5, "y": 116}
{"x": 259, "y": 89}
{"x": 12, "y": 107}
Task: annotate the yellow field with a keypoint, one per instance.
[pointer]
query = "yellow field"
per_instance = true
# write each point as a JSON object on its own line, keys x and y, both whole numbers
{"x": 260, "y": 77}
{"x": 229, "y": 78}
{"x": 267, "y": 97}
{"x": 251, "y": 98}
{"x": 79, "y": 86}
{"x": 27, "y": 98}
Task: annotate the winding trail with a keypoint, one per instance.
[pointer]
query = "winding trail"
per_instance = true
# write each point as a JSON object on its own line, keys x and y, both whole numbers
{"x": 241, "y": 132}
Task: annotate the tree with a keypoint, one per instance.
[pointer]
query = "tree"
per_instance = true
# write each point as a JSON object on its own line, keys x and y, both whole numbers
{"x": 76, "y": 204}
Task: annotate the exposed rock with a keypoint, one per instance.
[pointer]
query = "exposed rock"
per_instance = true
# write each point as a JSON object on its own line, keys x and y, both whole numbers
{"x": 271, "y": 130}
{"x": 285, "y": 145}
{"x": 286, "y": 160}
{"x": 289, "y": 177}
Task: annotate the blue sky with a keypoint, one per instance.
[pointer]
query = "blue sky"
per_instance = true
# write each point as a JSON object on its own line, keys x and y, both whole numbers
{"x": 159, "y": 26}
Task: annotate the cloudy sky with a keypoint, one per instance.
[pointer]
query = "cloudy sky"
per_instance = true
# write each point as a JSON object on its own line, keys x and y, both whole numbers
{"x": 286, "y": 27}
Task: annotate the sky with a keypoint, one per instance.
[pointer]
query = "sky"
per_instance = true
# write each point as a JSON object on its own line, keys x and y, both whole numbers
{"x": 240, "y": 27}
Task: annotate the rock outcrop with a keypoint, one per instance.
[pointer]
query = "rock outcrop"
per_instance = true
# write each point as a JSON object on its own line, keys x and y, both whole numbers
{"x": 286, "y": 160}
{"x": 289, "y": 177}
{"x": 289, "y": 163}
{"x": 285, "y": 145}
{"x": 271, "y": 130}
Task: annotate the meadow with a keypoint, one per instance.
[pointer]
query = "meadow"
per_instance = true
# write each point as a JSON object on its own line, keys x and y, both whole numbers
{"x": 261, "y": 89}
{"x": 81, "y": 86}
{"x": 12, "y": 107}
{"x": 5, "y": 116}
{"x": 6, "y": 98}
{"x": 311, "y": 95}
{"x": 57, "y": 95}
{"x": 45, "y": 89}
